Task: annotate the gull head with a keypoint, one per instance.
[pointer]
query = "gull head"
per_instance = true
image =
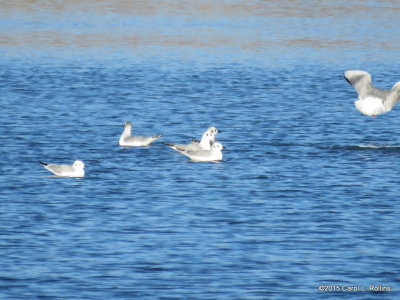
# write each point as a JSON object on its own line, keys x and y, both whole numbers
{"x": 127, "y": 124}
{"x": 210, "y": 136}
{"x": 213, "y": 130}
{"x": 217, "y": 146}
{"x": 210, "y": 133}
{"x": 79, "y": 165}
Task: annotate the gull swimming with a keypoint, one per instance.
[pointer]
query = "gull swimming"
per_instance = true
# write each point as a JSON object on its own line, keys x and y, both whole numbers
{"x": 205, "y": 143}
{"x": 74, "y": 170}
{"x": 214, "y": 154}
{"x": 372, "y": 101}
{"x": 128, "y": 140}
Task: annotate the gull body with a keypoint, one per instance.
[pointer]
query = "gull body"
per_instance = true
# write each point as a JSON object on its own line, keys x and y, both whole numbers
{"x": 214, "y": 154}
{"x": 127, "y": 140}
{"x": 371, "y": 100}
{"x": 74, "y": 170}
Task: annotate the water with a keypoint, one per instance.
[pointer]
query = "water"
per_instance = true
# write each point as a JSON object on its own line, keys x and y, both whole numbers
{"x": 308, "y": 189}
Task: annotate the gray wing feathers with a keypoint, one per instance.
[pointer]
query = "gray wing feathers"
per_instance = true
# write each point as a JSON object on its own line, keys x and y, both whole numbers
{"x": 133, "y": 139}
{"x": 361, "y": 81}
{"x": 393, "y": 96}
{"x": 141, "y": 138}
{"x": 184, "y": 147}
{"x": 57, "y": 169}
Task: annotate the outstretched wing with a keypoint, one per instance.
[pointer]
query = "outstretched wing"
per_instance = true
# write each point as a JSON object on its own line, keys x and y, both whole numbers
{"x": 361, "y": 81}
{"x": 393, "y": 96}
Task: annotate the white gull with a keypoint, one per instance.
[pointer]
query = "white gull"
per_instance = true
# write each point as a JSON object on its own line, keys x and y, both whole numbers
{"x": 214, "y": 154}
{"x": 127, "y": 140}
{"x": 372, "y": 101}
{"x": 74, "y": 170}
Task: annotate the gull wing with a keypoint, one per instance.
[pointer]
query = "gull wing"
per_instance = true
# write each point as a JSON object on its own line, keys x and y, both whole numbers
{"x": 361, "y": 82}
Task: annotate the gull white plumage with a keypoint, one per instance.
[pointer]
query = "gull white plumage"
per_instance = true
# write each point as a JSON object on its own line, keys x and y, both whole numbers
{"x": 214, "y": 154}
{"x": 207, "y": 139}
{"x": 372, "y": 101}
{"x": 127, "y": 140}
{"x": 74, "y": 170}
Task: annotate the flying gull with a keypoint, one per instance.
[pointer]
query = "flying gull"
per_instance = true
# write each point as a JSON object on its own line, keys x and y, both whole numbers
{"x": 372, "y": 101}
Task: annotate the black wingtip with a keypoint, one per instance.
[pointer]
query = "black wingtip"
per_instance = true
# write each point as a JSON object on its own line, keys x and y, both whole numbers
{"x": 344, "y": 76}
{"x": 43, "y": 163}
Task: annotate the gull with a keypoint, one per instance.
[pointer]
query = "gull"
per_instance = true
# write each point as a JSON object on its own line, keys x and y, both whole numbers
{"x": 372, "y": 101}
{"x": 128, "y": 140}
{"x": 74, "y": 170}
{"x": 214, "y": 154}
{"x": 207, "y": 139}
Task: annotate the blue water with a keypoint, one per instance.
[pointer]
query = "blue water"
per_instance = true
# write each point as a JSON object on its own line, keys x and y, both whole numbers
{"x": 307, "y": 193}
